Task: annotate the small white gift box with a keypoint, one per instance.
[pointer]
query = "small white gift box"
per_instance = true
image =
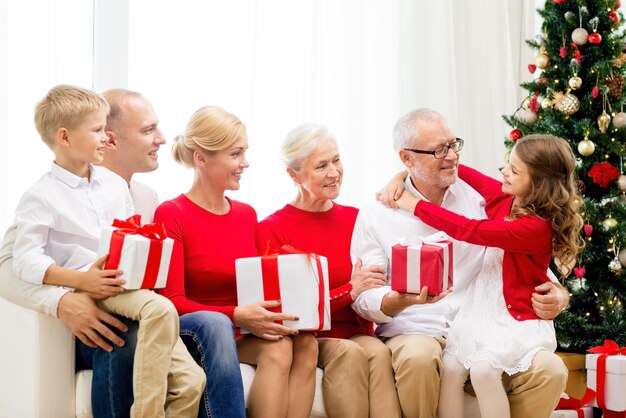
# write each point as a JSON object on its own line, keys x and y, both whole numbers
{"x": 614, "y": 381}
{"x": 299, "y": 281}
{"x": 142, "y": 252}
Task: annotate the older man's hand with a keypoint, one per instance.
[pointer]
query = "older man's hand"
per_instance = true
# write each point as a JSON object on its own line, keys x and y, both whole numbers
{"x": 549, "y": 300}
{"x": 395, "y": 302}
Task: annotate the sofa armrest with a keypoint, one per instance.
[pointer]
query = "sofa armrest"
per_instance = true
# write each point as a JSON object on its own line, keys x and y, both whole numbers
{"x": 37, "y": 363}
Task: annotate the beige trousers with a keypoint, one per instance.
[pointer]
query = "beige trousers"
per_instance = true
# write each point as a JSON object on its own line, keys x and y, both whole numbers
{"x": 358, "y": 378}
{"x": 416, "y": 361}
{"x": 166, "y": 379}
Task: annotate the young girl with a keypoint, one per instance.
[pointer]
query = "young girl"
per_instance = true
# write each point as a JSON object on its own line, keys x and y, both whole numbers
{"x": 532, "y": 217}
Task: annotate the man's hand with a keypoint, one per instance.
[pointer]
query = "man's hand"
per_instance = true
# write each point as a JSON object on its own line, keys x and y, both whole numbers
{"x": 88, "y": 322}
{"x": 549, "y": 300}
{"x": 395, "y": 302}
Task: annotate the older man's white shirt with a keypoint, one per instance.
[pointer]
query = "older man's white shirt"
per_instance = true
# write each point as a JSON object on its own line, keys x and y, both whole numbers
{"x": 378, "y": 228}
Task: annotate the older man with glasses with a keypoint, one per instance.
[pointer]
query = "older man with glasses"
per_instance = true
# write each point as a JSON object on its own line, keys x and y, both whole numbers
{"x": 415, "y": 333}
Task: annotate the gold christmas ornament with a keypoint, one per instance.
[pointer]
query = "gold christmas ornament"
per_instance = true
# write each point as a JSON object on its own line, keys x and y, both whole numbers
{"x": 609, "y": 223}
{"x": 566, "y": 103}
{"x": 586, "y": 147}
{"x": 547, "y": 103}
{"x": 619, "y": 120}
{"x": 621, "y": 183}
{"x": 542, "y": 60}
{"x": 575, "y": 82}
{"x": 580, "y": 36}
{"x": 603, "y": 121}
{"x": 526, "y": 103}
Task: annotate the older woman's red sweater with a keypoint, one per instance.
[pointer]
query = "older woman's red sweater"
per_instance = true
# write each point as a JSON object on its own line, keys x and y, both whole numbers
{"x": 324, "y": 233}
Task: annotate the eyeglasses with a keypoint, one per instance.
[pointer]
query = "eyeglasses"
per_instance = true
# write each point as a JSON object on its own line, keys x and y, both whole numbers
{"x": 441, "y": 151}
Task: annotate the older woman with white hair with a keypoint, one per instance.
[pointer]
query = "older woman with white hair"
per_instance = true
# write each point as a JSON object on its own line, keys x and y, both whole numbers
{"x": 358, "y": 377}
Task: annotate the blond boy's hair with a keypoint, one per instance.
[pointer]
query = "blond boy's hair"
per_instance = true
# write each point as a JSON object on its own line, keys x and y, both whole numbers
{"x": 65, "y": 107}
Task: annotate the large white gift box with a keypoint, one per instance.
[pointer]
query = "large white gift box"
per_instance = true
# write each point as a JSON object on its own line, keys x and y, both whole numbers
{"x": 614, "y": 381}
{"x": 299, "y": 281}
{"x": 142, "y": 252}
{"x": 584, "y": 412}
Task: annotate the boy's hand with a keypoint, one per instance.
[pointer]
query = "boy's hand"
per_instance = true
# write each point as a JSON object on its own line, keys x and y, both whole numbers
{"x": 101, "y": 284}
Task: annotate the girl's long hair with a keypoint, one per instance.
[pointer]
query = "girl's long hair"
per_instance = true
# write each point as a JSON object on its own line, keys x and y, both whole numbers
{"x": 553, "y": 195}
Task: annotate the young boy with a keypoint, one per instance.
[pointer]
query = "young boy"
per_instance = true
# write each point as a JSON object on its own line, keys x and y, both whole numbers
{"x": 58, "y": 228}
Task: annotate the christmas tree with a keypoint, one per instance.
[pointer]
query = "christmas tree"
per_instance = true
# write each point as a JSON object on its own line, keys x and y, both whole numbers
{"x": 577, "y": 94}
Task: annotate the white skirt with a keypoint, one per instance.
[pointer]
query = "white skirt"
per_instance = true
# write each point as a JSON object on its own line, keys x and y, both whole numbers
{"x": 484, "y": 330}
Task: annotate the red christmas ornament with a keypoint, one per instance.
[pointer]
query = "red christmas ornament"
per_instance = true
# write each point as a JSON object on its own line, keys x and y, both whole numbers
{"x": 563, "y": 52}
{"x": 515, "y": 135}
{"x": 579, "y": 272}
{"x": 603, "y": 174}
{"x": 588, "y": 230}
{"x": 532, "y": 68}
{"x": 618, "y": 4}
{"x": 595, "y": 91}
{"x": 595, "y": 38}
{"x": 614, "y": 17}
{"x": 560, "y": 1}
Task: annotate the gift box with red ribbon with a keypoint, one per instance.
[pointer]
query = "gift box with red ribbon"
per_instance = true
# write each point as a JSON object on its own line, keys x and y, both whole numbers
{"x": 606, "y": 375}
{"x": 299, "y": 280}
{"x": 422, "y": 262}
{"x": 142, "y": 252}
{"x": 570, "y": 407}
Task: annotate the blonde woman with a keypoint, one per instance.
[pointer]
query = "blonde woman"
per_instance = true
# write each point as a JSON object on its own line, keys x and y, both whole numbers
{"x": 211, "y": 231}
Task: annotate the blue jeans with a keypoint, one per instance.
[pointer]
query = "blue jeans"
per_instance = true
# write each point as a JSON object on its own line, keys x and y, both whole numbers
{"x": 210, "y": 339}
{"x": 112, "y": 384}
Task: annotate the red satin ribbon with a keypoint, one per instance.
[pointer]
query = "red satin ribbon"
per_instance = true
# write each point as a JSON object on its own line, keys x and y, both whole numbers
{"x": 271, "y": 286}
{"x": 610, "y": 348}
{"x": 577, "y": 404}
{"x": 155, "y": 232}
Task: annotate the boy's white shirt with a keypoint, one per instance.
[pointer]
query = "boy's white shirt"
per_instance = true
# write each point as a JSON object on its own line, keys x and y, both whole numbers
{"x": 59, "y": 220}
{"x": 45, "y": 298}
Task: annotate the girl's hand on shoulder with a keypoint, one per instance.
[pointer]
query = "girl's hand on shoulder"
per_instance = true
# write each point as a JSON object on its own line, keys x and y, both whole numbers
{"x": 392, "y": 190}
{"x": 366, "y": 278}
{"x": 407, "y": 202}
{"x": 260, "y": 321}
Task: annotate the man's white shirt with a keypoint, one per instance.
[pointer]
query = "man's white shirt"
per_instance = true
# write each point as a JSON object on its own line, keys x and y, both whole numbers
{"x": 379, "y": 227}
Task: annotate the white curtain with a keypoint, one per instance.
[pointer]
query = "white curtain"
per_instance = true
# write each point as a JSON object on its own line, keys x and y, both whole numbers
{"x": 352, "y": 65}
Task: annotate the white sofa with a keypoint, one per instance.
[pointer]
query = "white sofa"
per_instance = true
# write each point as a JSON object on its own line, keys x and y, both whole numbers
{"x": 37, "y": 373}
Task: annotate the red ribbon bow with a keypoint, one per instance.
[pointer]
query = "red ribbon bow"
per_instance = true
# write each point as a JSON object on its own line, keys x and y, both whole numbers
{"x": 577, "y": 404}
{"x": 610, "y": 348}
{"x": 133, "y": 226}
{"x": 155, "y": 232}
{"x": 271, "y": 288}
